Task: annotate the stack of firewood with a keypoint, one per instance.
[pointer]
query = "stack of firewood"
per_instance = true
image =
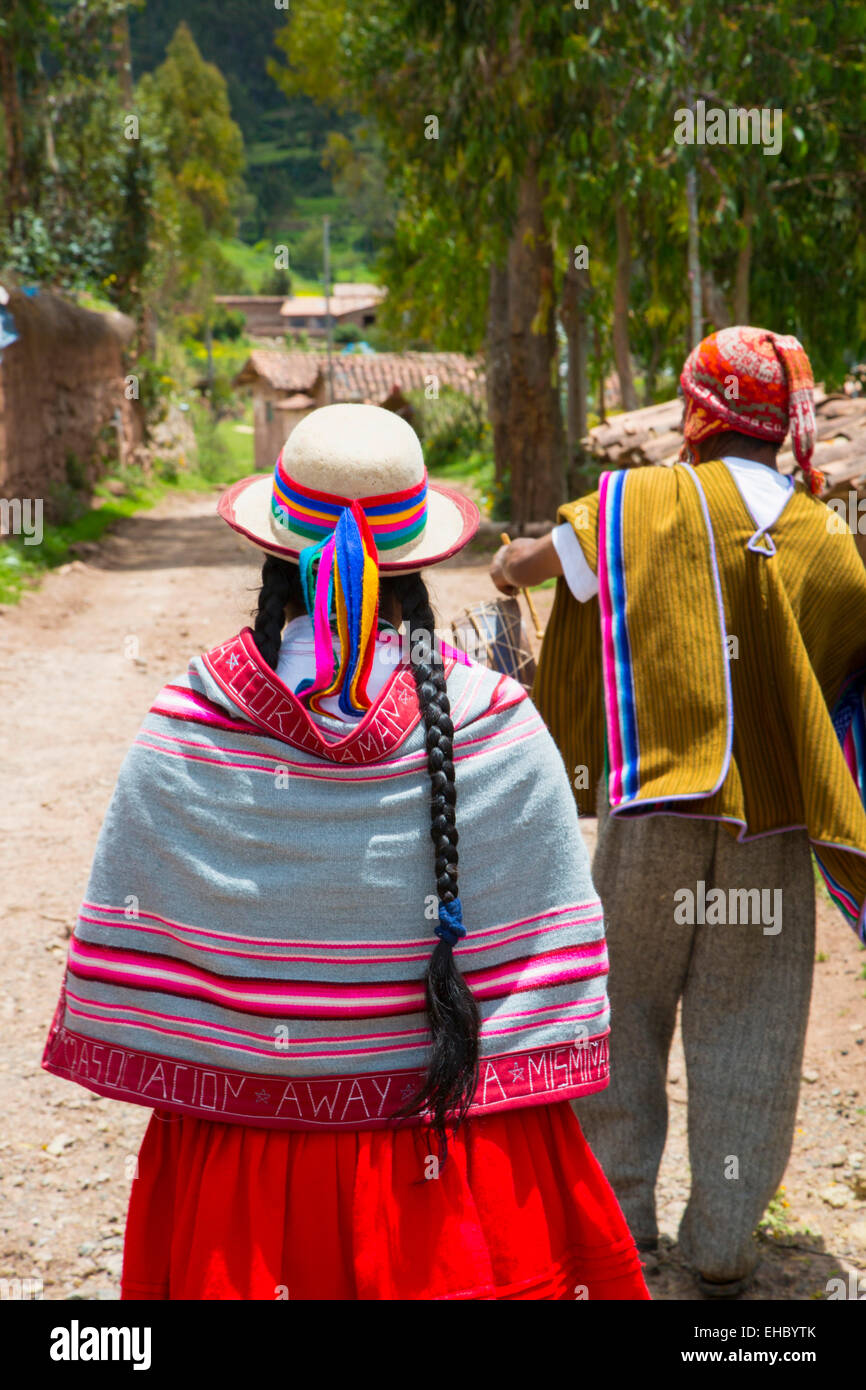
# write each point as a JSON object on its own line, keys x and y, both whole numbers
{"x": 652, "y": 435}
{"x": 638, "y": 437}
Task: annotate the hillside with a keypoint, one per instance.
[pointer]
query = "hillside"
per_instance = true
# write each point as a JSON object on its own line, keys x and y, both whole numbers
{"x": 289, "y": 190}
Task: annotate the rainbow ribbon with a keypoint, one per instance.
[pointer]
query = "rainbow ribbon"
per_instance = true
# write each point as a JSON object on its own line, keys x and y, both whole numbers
{"x": 345, "y": 561}
{"x": 347, "y": 579}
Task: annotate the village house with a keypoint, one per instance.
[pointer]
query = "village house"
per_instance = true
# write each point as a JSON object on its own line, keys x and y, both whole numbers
{"x": 286, "y": 386}
{"x": 261, "y": 312}
{"x": 348, "y": 303}
{"x": 275, "y": 315}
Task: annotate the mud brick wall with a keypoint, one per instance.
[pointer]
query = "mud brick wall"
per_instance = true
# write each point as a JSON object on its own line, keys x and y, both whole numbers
{"x": 60, "y": 384}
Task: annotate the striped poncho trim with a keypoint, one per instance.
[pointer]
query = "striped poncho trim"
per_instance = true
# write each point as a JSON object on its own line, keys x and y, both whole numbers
{"x": 625, "y": 776}
{"x": 849, "y": 721}
{"x": 368, "y": 1100}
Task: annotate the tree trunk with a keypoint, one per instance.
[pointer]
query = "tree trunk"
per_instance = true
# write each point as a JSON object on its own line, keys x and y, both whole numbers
{"x": 536, "y": 442}
{"x": 621, "y": 353}
{"x": 694, "y": 256}
{"x": 576, "y": 290}
{"x": 744, "y": 266}
{"x": 652, "y": 367}
{"x": 123, "y": 58}
{"x": 16, "y": 190}
{"x": 498, "y": 368}
{"x": 715, "y": 307}
{"x": 600, "y": 405}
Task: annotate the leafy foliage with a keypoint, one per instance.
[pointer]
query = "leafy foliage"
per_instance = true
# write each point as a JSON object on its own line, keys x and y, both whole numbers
{"x": 199, "y": 169}
{"x": 594, "y": 95}
{"x": 77, "y": 195}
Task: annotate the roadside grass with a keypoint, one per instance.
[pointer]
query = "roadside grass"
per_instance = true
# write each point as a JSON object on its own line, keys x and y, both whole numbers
{"x": 224, "y": 455}
{"x": 474, "y": 469}
{"x": 23, "y": 565}
{"x": 777, "y": 1222}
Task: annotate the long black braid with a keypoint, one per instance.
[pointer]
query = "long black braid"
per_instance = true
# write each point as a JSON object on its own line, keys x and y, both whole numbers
{"x": 281, "y": 585}
{"x": 447, "y": 1090}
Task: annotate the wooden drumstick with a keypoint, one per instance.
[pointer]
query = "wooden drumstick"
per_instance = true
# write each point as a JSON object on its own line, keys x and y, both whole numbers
{"x": 539, "y": 630}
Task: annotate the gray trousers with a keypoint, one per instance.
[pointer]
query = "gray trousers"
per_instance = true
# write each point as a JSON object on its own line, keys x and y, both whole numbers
{"x": 745, "y": 990}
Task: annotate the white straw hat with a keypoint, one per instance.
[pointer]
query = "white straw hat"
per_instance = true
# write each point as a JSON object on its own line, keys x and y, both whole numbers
{"x": 341, "y": 454}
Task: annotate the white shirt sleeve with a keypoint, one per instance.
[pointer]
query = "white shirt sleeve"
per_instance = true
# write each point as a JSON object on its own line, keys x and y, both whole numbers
{"x": 575, "y": 568}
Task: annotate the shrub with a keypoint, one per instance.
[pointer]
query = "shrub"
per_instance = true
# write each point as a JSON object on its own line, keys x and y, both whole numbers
{"x": 450, "y": 427}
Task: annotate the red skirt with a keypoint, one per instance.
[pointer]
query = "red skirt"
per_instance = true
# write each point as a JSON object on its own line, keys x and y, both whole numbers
{"x": 520, "y": 1210}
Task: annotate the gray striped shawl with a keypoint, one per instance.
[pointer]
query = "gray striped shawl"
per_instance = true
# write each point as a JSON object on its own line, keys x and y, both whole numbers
{"x": 259, "y": 916}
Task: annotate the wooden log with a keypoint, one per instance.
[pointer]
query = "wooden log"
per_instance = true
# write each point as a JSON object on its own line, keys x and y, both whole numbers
{"x": 840, "y": 404}
{"x": 649, "y": 419}
{"x": 663, "y": 447}
{"x": 651, "y": 436}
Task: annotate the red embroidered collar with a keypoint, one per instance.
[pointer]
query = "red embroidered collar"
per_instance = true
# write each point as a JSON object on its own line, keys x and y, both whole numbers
{"x": 239, "y": 669}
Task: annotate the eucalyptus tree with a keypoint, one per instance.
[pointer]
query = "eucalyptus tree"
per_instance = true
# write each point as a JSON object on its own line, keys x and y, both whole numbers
{"x": 468, "y": 100}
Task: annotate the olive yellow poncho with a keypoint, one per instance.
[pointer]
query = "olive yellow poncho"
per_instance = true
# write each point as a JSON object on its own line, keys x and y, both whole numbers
{"x": 713, "y": 657}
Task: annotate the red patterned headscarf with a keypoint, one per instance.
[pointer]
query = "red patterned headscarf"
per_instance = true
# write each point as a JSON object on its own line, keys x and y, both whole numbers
{"x": 754, "y": 381}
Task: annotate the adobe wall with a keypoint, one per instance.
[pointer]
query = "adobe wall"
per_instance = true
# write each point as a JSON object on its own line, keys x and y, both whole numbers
{"x": 61, "y": 382}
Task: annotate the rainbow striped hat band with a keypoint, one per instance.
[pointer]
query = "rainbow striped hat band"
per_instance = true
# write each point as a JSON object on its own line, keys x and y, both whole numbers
{"x": 340, "y": 575}
{"x": 393, "y": 518}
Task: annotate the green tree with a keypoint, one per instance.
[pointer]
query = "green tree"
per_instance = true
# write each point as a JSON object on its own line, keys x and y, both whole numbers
{"x": 77, "y": 192}
{"x": 185, "y": 105}
{"x": 554, "y": 129}
{"x": 454, "y": 94}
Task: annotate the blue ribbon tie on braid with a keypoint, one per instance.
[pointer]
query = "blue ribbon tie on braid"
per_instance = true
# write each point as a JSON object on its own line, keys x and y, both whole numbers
{"x": 451, "y": 928}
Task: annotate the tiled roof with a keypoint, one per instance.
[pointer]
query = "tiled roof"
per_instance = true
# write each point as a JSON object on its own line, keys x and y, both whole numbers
{"x": 304, "y": 305}
{"x": 363, "y": 377}
{"x": 285, "y": 371}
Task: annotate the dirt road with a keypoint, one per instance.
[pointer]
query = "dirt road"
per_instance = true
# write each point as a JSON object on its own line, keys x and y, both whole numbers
{"x": 82, "y": 659}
